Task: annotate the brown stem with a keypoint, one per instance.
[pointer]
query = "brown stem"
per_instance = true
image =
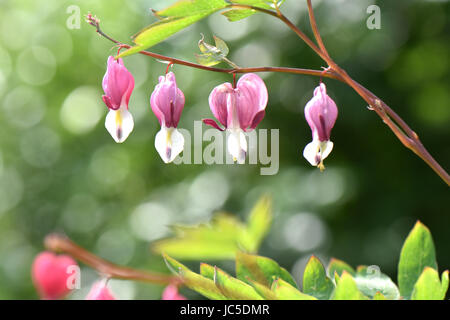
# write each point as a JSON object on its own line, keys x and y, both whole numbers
{"x": 60, "y": 243}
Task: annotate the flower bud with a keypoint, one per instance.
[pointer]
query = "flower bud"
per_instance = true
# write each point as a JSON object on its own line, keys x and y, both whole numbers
{"x": 100, "y": 291}
{"x": 238, "y": 109}
{"x": 167, "y": 102}
{"x": 51, "y": 275}
{"x": 320, "y": 113}
{"x": 118, "y": 83}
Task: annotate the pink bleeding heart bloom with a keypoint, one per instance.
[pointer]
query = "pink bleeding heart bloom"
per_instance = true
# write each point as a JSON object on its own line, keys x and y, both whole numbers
{"x": 167, "y": 102}
{"x": 52, "y": 275}
{"x": 239, "y": 110}
{"x": 100, "y": 291}
{"x": 321, "y": 114}
{"x": 171, "y": 293}
{"x": 118, "y": 83}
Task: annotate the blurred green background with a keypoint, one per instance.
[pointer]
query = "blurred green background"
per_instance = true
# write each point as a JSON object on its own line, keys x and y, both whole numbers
{"x": 61, "y": 171}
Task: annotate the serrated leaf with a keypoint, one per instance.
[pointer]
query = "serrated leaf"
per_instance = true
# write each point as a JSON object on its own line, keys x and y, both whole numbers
{"x": 238, "y": 14}
{"x": 194, "y": 281}
{"x": 315, "y": 281}
{"x": 259, "y": 222}
{"x": 233, "y": 288}
{"x": 260, "y": 269}
{"x": 429, "y": 287}
{"x": 346, "y": 289}
{"x": 285, "y": 291}
{"x": 371, "y": 281}
{"x": 417, "y": 253}
{"x": 338, "y": 266}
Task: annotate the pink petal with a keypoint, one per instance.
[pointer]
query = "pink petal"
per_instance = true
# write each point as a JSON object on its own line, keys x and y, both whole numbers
{"x": 212, "y": 123}
{"x": 218, "y": 102}
{"x": 118, "y": 83}
{"x": 100, "y": 291}
{"x": 252, "y": 98}
{"x": 171, "y": 293}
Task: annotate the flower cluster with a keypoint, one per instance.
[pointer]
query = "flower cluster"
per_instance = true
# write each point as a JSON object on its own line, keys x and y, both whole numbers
{"x": 238, "y": 108}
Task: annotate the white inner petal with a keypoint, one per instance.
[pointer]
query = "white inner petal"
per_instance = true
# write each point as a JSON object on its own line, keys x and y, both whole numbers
{"x": 316, "y": 151}
{"x": 237, "y": 145}
{"x": 169, "y": 143}
{"x": 119, "y": 124}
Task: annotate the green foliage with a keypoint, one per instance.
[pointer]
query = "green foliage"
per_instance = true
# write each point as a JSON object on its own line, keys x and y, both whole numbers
{"x": 260, "y": 277}
{"x": 260, "y": 269}
{"x": 315, "y": 281}
{"x": 417, "y": 253}
{"x": 429, "y": 287}
{"x": 212, "y": 55}
{"x": 220, "y": 239}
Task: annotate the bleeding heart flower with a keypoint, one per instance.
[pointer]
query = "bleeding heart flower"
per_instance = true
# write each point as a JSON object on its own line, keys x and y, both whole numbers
{"x": 100, "y": 291}
{"x": 167, "y": 102}
{"x": 171, "y": 293}
{"x": 238, "y": 109}
{"x": 51, "y": 275}
{"x": 118, "y": 83}
{"x": 320, "y": 113}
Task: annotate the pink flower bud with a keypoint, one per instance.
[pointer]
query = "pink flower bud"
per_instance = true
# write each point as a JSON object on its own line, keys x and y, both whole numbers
{"x": 320, "y": 113}
{"x": 52, "y": 275}
{"x": 238, "y": 109}
{"x": 118, "y": 83}
{"x": 167, "y": 102}
{"x": 171, "y": 293}
{"x": 100, "y": 291}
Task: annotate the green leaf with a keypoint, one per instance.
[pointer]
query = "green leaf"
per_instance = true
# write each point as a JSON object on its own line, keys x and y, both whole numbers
{"x": 371, "y": 281}
{"x": 315, "y": 281}
{"x": 263, "y": 291}
{"x": 265, "y": 4}
{"x": 212, "y": 55}
{"x": 429, "y": 287}
{"x": 238, "y": 14}
{"x": 285, "y": 291}
{"x": 207, "y": 270}
{"x": 417, "y": 253}
{"x": 177, "y": 17}
{"x": 194, "y": 281}
{"x": 233, "y": 288}
{"x": 259, "y": 222}
{"x": 186, "y": 8}
{"x": 346, "y": 289}
{"x": 217, "y": 240}
{"x": 260, "y": 269}
{"x": 338, "y": 266}
{"x": 379, "y": 296}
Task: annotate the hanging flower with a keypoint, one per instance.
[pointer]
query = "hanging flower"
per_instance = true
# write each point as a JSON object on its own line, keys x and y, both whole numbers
{"x": 118, "y": 83}
{"x": 50, "y": 274}
{"x": 167, "y": 102}
{"x": 320, "y": 113}
{"x": 100, "y": 291}
{"x": 171, "y": 293}
{"x": 238, "y": 109}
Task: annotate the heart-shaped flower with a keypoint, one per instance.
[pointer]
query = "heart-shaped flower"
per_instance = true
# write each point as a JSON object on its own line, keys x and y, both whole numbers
{"x": 100, "y": 291}
{"x": 238, "y": 109}
{"x": 52, "y": 275}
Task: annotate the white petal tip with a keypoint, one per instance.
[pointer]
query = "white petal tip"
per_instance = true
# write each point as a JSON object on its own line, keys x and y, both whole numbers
{"x": 119, "y": 124}
{"x": 237, "y": 146}
{"x": 169, "y": 143}
{"x": 316, "y": 151}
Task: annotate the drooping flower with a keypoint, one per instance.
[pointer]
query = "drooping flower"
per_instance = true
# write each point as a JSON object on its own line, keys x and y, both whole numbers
{"x": 51, "y": 273}
{"x": 320, "y": 113}
{"x": 100, "y": 291}
{"x": 238, "y": 109}
{"x": 167, "y": 102}
{"x": 171, "y": 293}
{"x": 118, "y": 83}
